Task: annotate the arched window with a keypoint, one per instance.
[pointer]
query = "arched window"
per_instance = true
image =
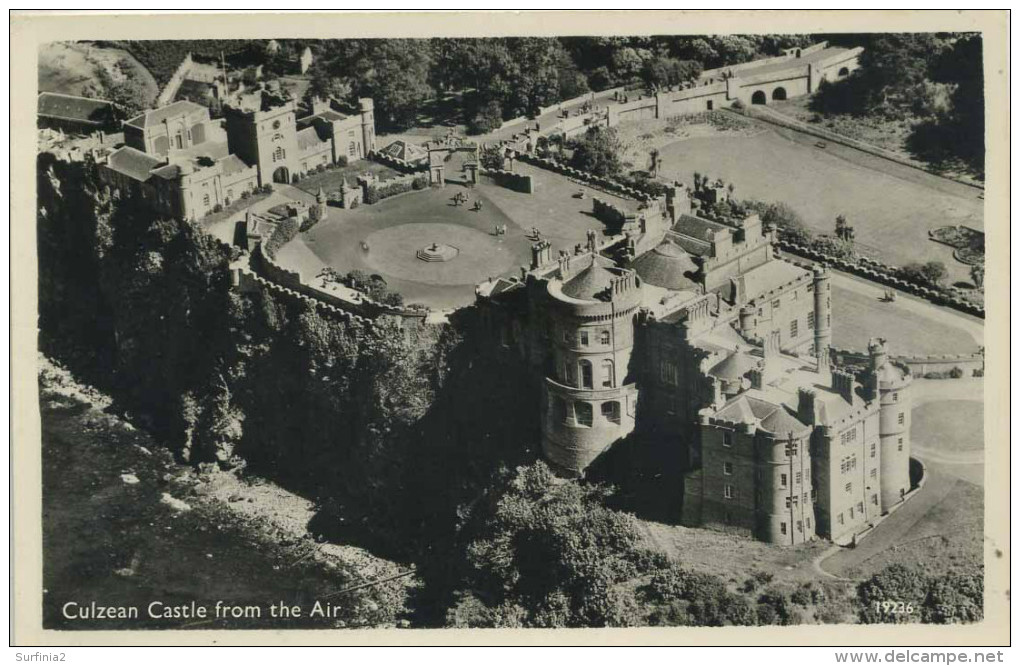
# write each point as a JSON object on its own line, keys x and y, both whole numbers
{"x": 352, "y": 149}
{"x": 278, "y": 154}
{"x": 758, "y": 97}
{"x": 583, "y": 414}
{"x": 608, "y": 374}
{"x": 569, "y": 373}
{"x": 611, "y": 411}
{"x": 587, "y": 381}
{"x": 604, "y": 337}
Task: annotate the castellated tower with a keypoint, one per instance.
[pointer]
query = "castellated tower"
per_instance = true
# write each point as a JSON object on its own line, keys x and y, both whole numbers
{"x": 589, "y": 396}
{"x": 890, "y": 385}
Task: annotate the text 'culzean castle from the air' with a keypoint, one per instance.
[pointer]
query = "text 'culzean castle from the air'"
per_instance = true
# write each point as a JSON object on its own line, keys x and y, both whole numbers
{"x": 700, "y": 337}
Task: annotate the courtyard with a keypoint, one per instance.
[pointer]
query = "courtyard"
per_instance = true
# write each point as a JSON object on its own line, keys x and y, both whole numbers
{"x": 385, "y": 238}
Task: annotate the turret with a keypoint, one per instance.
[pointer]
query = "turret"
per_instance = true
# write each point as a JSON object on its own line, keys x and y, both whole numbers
{"x": 890, "y": 385}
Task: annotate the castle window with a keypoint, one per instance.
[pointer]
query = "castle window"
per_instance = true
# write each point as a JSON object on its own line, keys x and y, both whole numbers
{"x": 586, "y": 374}
{"x": 608, "y": 373}
{"x": 810, "y": 319}
{"x": 900, "y": 418}
{"x": 611, "y": 411}
{"x": 727, "y": 438}
{"x": 793, "y": 328}
{"x": 559, "y": 410}
{"x": 782, "y": 480}
{"x": 352, "y": 149}
{"x": 798, "y": 478}
{"x": 860, "y": 507}
{"x": 279, "y": 154}
{"x": 805, "y": 499}
{"x": 895, "y": 397}
{"x": 791, "y": 448}
{"x": 839, "y": 518}
{"x": 727, "y": 468}
{"x": 808, "y": 522}
{"x": 874, "y": 500}
{"x": 899, "y": 444}
{"x": 583, "y": 414}
{"x": 775, "y": 304}
{"x": 584, "y": 338}
{"x": 668, "y": 373}
{"x": 604, "y": 337}
{"x": 788, "y": 501}
{"x": 851, "y": 513}
{"x": 795, "y": 502}
{"x": 849, "y": 487}
{"x": 782, "y": 528}
{"x": 205, "y": 200}
{"x": 728, "y": 491}
{"x": 874, "y": 473}
{"x": 800, "y": 526}
{"x": 872, "y": 449}
{"x": 814, "y": 495}
{"x": 569, "y": 373}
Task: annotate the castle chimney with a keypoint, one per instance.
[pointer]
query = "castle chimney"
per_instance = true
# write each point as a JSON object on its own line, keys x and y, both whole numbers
{"x": 806, "y": 405}
{"x": 823, "y": 317}
{"x": 843, "y": 383}
{"x": 770, "y": 357}
{"x": 747, "y": 321}
{"x": 756, "y": 375}
{"x": 877, "y": 352}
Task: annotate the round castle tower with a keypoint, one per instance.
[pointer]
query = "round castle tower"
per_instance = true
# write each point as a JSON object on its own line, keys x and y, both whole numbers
{"x": 588, "y": 403}
{"x": 890, "y": 386}
{"x": 823, "y": 316}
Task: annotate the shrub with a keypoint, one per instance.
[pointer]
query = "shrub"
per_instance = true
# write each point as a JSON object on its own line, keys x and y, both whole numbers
{"x": 285, "y": 232}
{"x": 245, "y": 194}
{"x": 488, "y": 118}
{"x": 218, "y": 208}
{"x": 738, "y": 105}
{"x": 296, "y": 178}
{"x": 341, "y": 161}
{"x": 979, "y": 372}
{"x": 420, "y": 182}
{"x": 371, "y": 195}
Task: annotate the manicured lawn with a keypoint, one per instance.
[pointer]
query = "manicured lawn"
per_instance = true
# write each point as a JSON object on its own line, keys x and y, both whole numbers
{"x": 949, "y": 425}
{"x": 891, "y": 213}
{"x": 856, "y": 318}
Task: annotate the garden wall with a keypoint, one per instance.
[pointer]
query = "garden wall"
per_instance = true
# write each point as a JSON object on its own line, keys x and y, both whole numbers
{"x": 919, "y": 365}
{"x": 585, "y": 177}
{"x": 883, "y": 274}
{"x": 517, "y": 182}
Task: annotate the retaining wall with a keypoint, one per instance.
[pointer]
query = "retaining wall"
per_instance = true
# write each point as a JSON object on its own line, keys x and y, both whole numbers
{"x": 588, "y": 178}
{"x": 918, "y": 364}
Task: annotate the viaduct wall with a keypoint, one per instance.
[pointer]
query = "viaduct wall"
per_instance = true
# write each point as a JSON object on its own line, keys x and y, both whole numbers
{"x": 174, "y": 84}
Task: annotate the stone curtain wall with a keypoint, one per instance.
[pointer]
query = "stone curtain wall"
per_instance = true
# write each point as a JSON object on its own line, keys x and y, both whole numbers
{"x": 585, "y": 177}
{"x": 263, "y": 270}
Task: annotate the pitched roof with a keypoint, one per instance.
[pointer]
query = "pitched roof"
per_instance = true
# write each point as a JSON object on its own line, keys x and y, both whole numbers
{"x": 232, "y": 164}
{"x": 667, "y": 265}
{"x": 404, "y": 150}
{"x": 699, "y": 228}
{"x": 156, "y": 116}
{"x": 133, "y": 163}
{"x": 73, "y": 107}
{"x": 308, "y": 138}
{"x": 591, "y": 281}
{"x": 782, "y": 421}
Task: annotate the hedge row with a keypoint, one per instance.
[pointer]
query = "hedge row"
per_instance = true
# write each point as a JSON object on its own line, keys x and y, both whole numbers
{"x": 284, "y": 232}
